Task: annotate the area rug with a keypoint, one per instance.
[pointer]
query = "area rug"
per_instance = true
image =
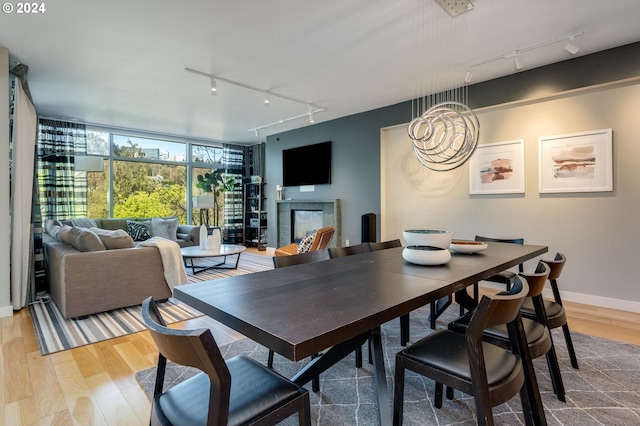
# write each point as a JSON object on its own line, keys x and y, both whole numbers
{"x": 55, "y": 333}
{"x": 605, "y": 391}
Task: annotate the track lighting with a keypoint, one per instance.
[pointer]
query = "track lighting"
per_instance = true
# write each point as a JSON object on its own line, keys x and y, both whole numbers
{"x": 311, "y": 108}
{"x": 571, "y": 47}
{"x": 214, "y": 86}
{"x": 516, "y": 55}
{"x": 256, "y": 132}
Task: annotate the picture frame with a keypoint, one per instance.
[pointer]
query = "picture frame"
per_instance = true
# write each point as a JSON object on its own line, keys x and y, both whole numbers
{"x": 576, "y": 162}
{"x": 498, "y": 168}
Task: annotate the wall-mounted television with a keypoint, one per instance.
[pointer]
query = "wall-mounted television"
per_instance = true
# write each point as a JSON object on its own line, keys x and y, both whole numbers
{"x": 307, "y": 165}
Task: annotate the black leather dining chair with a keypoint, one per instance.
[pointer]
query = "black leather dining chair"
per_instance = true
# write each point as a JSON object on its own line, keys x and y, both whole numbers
{"x": 537, "y": 333}
{"x": 239, "y": 391}
{"x": 349, "y": 250}
{"x": 382, "y": 245}
{"x": 491, "y": 374}
{"x": 556, "y": 315}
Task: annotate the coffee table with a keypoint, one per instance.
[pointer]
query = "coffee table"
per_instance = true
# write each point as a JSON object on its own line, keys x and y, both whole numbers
{"x": 195, "y": 252}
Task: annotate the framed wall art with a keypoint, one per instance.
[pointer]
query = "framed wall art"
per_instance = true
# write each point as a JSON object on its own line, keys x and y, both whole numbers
{"x": 497, "y": 168}
{"x": 576, "y": 162}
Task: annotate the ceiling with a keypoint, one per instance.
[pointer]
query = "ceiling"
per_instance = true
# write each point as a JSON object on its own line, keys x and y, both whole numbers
{"x": 121, "y": 63}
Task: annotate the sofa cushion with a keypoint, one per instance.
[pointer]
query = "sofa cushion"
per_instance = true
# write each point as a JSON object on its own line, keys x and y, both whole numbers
{"x": 306, "y": 243}
{"x": 84, "y": 240}
{"x": 112, "y": 223}
{"x": 63, "y": 235}
{"x": 139, "y": 231}
{"x": 116, "y": 239}
{"x": 165, "y": 228}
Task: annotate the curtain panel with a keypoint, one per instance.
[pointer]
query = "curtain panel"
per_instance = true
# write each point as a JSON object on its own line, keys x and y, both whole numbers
{"x": 63, "y": 192}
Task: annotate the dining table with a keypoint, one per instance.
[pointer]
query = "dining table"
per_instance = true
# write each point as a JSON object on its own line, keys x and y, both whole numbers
{"x": 334, "y": 306}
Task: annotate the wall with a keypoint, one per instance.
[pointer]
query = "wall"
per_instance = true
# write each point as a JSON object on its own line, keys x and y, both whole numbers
{"x": 596, "y": 231}
{"x": 357, "y": 163}
{"x": 5, "y": 290}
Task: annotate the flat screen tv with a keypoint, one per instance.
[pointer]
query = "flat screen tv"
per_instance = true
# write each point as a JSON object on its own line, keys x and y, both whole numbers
{"x": 307, "y": 165}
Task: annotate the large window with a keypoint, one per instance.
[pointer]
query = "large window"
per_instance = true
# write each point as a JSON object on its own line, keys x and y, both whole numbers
{"x": 148, "y": 177}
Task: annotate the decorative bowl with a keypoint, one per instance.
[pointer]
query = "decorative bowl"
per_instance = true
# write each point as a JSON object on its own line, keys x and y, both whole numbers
{"x": 426, "y": 255}
{"x": 427, "y": 237}
{"x": 467, "y": 246}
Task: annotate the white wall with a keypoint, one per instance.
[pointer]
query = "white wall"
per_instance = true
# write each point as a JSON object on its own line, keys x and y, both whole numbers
{"x": 5, "y": 298}
{"x": 598, "y": 232}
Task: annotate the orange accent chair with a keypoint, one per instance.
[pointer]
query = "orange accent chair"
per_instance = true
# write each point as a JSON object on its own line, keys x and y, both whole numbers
{"x": 320, "y": 242}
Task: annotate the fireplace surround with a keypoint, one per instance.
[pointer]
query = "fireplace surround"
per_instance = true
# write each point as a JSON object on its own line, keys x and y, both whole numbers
{"x": 330, "y": 217}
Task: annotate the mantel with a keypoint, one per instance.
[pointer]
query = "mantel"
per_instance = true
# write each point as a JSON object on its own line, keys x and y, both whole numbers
{"x": 330, "y": 217}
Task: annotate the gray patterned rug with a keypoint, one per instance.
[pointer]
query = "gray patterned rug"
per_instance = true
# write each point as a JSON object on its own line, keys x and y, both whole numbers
{"x": 605, "y": 391}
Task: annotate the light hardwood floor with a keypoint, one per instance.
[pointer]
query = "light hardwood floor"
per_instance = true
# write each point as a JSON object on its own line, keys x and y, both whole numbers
{"x": 95, "y": 384}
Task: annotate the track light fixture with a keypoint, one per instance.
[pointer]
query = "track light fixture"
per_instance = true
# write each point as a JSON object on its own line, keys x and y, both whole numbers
{"x": 571, "y": 47}
{"x": 468, "y": 77}
{"x": 214, "y": 87}
{"x": 516, "y": 55}
{"x": 311, "y": 108}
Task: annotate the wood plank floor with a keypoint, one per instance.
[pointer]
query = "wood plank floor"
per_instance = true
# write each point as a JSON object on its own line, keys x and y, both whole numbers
{"x": 95, "y": 384}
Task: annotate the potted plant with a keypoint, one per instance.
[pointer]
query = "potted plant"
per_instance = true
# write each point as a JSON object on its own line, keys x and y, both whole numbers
{"x": 213, "y": 184}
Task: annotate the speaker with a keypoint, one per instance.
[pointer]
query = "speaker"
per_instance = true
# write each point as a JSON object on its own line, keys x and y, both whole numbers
{"x": 368, "y": 228}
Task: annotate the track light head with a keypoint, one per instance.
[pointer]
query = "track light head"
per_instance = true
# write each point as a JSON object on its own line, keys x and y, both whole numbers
{"x": 214, "y": 87}
{"x": 519, "y": 63}
{"x": 267, "y": 99}
{"x": 571, "y": 47}
{"x": 256, "y": 132}
{"x": 469, "y": 76}
{"x": 310, "y": 113}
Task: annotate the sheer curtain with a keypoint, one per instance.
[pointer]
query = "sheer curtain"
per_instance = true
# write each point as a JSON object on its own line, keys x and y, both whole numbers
{"x": 23, "y": 139}
{"x": 62, "y": 194}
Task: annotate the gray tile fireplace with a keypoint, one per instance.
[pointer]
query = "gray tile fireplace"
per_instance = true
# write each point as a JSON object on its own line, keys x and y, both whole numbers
{"x": 312, "y": 214}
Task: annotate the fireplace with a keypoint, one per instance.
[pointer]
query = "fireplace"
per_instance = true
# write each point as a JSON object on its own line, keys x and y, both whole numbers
{"x": 314, "y": 214}
{"x": 305, "y": 222}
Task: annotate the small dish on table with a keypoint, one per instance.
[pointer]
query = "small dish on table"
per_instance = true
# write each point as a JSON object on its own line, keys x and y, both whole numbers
{"x": 467, "y": 246}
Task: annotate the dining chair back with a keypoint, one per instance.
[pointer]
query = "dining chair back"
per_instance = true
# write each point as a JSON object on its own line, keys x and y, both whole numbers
{"x": 539, "y": 340}
{"x": 297, "y": 259}
{"x": 349, "y": 250}
{"x": 258, "y": 395}
{"x": 321, "y": 241}
{"x": 491, "y": 374}
{"x": 556, "y": 315}
{"x": 382, "y": 245}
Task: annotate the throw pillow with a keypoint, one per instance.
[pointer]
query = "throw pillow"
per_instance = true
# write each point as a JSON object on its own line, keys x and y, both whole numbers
{"x": 52, "y": 227}
{"x": 63, "y": 235}
{"x": 139, "y": 231}
{"x": 116, "y": 239}
{"x": 305, "y": 244}
{"x": 165, "y": 228}
{"x": 83, "y": 222}
{"x": 84, "y": 240}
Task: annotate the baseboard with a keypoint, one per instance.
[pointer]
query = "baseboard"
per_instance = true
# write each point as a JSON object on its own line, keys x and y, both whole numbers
{"x": 585, "y": 299}
{"x": 6, "y": 311}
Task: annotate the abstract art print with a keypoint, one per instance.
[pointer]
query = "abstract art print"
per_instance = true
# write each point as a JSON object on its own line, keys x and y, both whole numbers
{"x": 576, "y": 162}
{"x": 497, "y": 168}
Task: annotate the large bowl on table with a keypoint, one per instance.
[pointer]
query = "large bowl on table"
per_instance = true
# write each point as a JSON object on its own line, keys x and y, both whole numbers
{"x": 426, "y": 255}
{"x": 427, "y": 237}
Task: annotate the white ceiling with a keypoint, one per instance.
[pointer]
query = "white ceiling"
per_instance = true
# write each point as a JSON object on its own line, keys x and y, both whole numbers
{"x": 122, "y": 63}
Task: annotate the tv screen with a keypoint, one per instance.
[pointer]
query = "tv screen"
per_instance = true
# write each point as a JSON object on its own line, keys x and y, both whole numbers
{"x": 307, "y": 165}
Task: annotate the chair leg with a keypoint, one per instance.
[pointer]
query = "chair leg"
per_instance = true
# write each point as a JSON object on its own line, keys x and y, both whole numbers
{"x": 554, "y": 371}
{"x": 449, "y": 392}
{"x": 359, "y": 357}
{"x": 270, "y": 359}
{"x": 304, "y": 416}
{"x": 437, "y": 308}
{"x": 569, "y": 342}
{"x": 437, "y": 396}
{"x": 398, "y": 395}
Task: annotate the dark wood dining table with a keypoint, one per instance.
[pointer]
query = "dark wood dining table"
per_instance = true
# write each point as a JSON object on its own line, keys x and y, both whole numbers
{"x": 302, "y": 310}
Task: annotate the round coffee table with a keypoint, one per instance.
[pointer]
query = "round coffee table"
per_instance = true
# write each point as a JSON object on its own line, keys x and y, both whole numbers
{"x": 224, "y": 251}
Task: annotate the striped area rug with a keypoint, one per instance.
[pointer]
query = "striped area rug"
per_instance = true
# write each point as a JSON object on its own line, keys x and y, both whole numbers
{"x": 54, "y": 333}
